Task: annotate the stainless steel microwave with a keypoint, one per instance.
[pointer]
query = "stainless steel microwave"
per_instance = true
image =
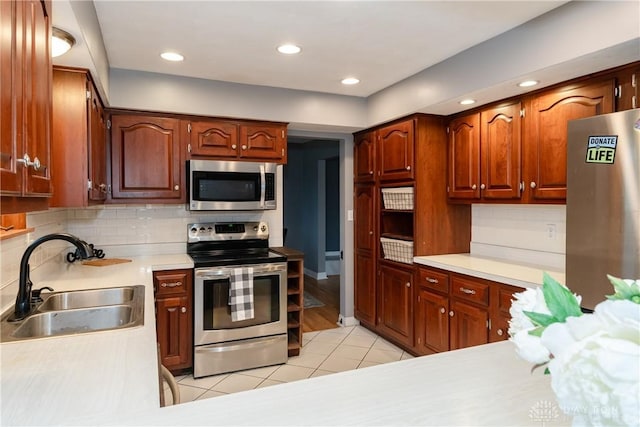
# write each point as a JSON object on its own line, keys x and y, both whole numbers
{"x": 229, "y": 185}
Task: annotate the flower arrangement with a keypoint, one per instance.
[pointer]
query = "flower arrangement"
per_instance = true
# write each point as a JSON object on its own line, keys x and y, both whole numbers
{"x": 593, "y": 359}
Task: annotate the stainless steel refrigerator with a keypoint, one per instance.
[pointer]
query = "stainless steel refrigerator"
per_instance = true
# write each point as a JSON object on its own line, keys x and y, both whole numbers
{"x": 603, "y": 203}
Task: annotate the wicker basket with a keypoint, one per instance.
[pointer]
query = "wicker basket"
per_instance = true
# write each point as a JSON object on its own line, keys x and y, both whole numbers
{"x": 397, "y": 250}
{"x": 400, "y": 198}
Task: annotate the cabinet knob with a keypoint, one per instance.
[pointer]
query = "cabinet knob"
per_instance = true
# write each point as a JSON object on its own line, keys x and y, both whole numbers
{"x": 36, "y": 163}
{"x": 451, "y": 313}
{"x": 370, "y": 172}
{"x": 482, "y": 186}
{"x": 371, "y": 233}
{"x": 432, "y": 280}
{"x": 500, "y": 332}
{"x": 103, "y": 187}
{"x": 533, "y": 184}
{"x": 408, "y": 168}
{"x": 408, "y": 284}
{"x": 473, "y": 187}
{"x": 443, "y": 310}
{"x": 176, "y": 187}
{"x": 244, "y": 147}
{"x": 234, "y": 146}
{"x": 183, "y": 309}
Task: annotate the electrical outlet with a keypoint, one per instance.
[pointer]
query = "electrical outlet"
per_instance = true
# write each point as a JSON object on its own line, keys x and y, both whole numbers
{"x": 551, "y": 231}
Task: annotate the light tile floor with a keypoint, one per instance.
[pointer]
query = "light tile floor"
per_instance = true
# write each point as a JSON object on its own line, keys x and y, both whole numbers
{"x": 323, "y": 353}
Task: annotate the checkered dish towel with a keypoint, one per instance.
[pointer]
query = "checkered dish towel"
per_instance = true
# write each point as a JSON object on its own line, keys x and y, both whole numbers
{"x": 241, "y": 294}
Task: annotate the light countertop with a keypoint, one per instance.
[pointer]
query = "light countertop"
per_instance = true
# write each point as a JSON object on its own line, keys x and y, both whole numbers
{"x": 111, "y": 378}
{"x": 525, "y": 276}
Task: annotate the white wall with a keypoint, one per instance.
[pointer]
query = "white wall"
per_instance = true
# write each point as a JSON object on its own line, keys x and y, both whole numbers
{"x": 520, "y": 233}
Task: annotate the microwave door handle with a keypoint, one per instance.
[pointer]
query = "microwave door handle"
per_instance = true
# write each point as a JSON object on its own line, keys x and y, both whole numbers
{"x": 263, "y": 186}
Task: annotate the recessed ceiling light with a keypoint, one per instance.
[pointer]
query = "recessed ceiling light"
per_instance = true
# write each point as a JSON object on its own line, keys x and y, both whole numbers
{"x": 289, "y": 49}
{"x": 61, "y": 42}
{"x": 528, "y": 83}
{"x": 467, "y": 101}
{"x": 350, "y": 81}
{"x": 172, "y": 56}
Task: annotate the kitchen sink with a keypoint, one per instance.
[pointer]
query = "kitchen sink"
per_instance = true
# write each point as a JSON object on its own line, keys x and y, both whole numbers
{"x": 78, "y": 312}
{"x": 87, "y": 298}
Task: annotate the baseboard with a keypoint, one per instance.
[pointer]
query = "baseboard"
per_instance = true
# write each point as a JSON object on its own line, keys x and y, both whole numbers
{"x": 347, "y": 321}
{"x": 315, "y": 274}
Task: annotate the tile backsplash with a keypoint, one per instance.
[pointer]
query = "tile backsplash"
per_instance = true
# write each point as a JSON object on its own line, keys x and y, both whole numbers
{"x": 529, "y": 234}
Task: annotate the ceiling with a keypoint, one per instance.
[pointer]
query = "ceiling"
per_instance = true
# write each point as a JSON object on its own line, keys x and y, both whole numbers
{"x": 379, "y": 42}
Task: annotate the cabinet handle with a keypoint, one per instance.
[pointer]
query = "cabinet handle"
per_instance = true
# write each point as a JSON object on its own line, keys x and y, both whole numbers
{"x": 183, "y": 309}
{"x": 408, "y": 168}
{"x": 176, "y": 187}
{"x": 244, "y": 147}
{"x": 451, "y": 313}
{"x": 234, "y": 146}
{"x": 468, "y": 291}
{"x": 473, "y": 187}
{"x": 408, "y": 284}
{"x": 500, "y": 332}
{"x": 430, "y": 280}
{"x": 443, "y": 310}
{"x": 170, "y": 284}
{"x": 533, "y": 184}
{"x": 482, "y": 186}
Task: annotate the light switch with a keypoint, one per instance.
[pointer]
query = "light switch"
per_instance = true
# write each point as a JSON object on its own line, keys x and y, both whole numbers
{"x": 349, "y": 214}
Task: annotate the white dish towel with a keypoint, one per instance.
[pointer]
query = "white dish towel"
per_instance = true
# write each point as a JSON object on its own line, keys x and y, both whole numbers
{"x": 241, "y": 294}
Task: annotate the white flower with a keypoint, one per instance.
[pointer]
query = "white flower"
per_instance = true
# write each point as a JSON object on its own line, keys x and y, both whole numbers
{"x": 595, "y": 369}
{"x": 528, "y": 300}
{"x": 529, "y": 347}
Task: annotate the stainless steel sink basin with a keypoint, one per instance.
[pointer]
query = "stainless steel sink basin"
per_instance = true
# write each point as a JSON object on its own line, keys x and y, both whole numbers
{"x": 77, "y": 312}
{"x": 67, "y": 322}
{"x": 87, "y": 298}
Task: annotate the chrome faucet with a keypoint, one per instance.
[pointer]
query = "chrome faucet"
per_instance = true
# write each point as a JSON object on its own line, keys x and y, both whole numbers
{"x": 23, "y": 300}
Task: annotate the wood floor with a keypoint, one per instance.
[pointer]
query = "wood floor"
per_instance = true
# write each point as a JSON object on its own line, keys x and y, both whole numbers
{"x": 326, "y": 317}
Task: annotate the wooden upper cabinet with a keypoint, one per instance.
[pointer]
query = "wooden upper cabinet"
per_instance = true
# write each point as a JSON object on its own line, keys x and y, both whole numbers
{"x": 212, "y": 138}
{"x": 395, "y": 154}
{"x": 500, "y": 152}
{"x": 25, "y": 99}
{"x": 145, "y": 159}
{"x": 464, "y": 157}
{"x": 263, "y": 142}
{"x": 364, "y": 158}
{"x": 78, "y": 140}
{"x": 627, "y": 92}
{"x": 546, "y": 135}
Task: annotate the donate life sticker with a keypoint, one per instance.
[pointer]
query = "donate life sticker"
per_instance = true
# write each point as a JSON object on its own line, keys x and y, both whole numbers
{"x": 601, "y": 149}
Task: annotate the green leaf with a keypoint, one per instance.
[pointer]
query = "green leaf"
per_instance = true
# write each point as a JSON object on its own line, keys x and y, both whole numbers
{"x": 560, "y": 301}
{"x": 537, "y": 332}
{"x": 624, "y": 290}
{"x": 540, "y": 319}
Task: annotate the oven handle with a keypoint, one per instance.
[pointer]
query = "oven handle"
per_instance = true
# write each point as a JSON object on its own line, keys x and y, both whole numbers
{"x": 263, "y": 186}
{"x": 244, "y": 345}
{"x": 225, "y": 272}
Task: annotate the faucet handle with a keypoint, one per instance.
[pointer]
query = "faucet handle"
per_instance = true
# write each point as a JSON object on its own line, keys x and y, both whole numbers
{"x": 35, "y": 294}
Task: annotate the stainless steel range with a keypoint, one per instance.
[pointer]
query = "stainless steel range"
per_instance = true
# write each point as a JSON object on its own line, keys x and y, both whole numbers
{"x": 225, "y": 338}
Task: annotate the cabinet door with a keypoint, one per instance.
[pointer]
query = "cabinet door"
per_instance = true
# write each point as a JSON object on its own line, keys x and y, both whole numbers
{"x": 263, "y": 141}
{"x": 464, "y": 157}
{"x": 468, "y": 325}
{"x": 173, "y": 327}
{"x": 37, "y": 96}
{"x": 395, "y": 315}
{"x": 10, "y": 100}
{"x": 145, "y": 159}
{"x": 97, "y": 146}
{"x": 627, "y": 82}
{"x": 213, "y": 138}
{"x": 501, "y": 303}
{"x": 365, "y": 288}
{"x": 396, "y": 151}
{"x": 500, "y": 152}
{"x": 364, "y": 157}
{"x": 546, "y": 161}
{"x": 432, "y": 322}
{"x": 365, "y": 236}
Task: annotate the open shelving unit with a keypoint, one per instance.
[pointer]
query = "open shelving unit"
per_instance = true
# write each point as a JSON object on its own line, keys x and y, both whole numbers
{"x": 295, "y": 297}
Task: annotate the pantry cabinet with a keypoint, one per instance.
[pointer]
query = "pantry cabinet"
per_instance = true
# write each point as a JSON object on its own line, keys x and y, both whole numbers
{"x": 25, "y": 105}
{"x": 78, "y": 140}
{"x": 235, "y": 140}
{"x": 173, "y": 290}
{"x": 545, "y": 134}
{"x": 365, "y": 254}
{"x": 146, "y": 160}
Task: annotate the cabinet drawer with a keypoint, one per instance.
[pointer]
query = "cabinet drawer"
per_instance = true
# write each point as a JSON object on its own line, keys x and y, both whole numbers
{"x": 433, "y": 279}
{"x": 505, "y": 295}
{"x": 171, "y": 283}
{"x": 474, "y": 290}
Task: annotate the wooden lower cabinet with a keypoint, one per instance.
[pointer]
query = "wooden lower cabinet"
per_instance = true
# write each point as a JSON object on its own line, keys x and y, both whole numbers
{"x": 395, "y": 310}
{"x": 173, "y": 291}
{"x": 455, "y": 311}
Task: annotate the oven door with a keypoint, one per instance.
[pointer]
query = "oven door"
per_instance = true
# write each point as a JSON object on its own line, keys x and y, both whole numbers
{"x": 212, "y": 313}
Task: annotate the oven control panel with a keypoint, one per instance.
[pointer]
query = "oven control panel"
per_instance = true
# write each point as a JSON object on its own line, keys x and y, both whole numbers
{"x": 215, "y": 231}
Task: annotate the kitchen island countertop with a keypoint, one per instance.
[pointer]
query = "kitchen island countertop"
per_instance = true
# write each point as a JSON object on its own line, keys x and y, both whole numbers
{"x": 111, "y": 378}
